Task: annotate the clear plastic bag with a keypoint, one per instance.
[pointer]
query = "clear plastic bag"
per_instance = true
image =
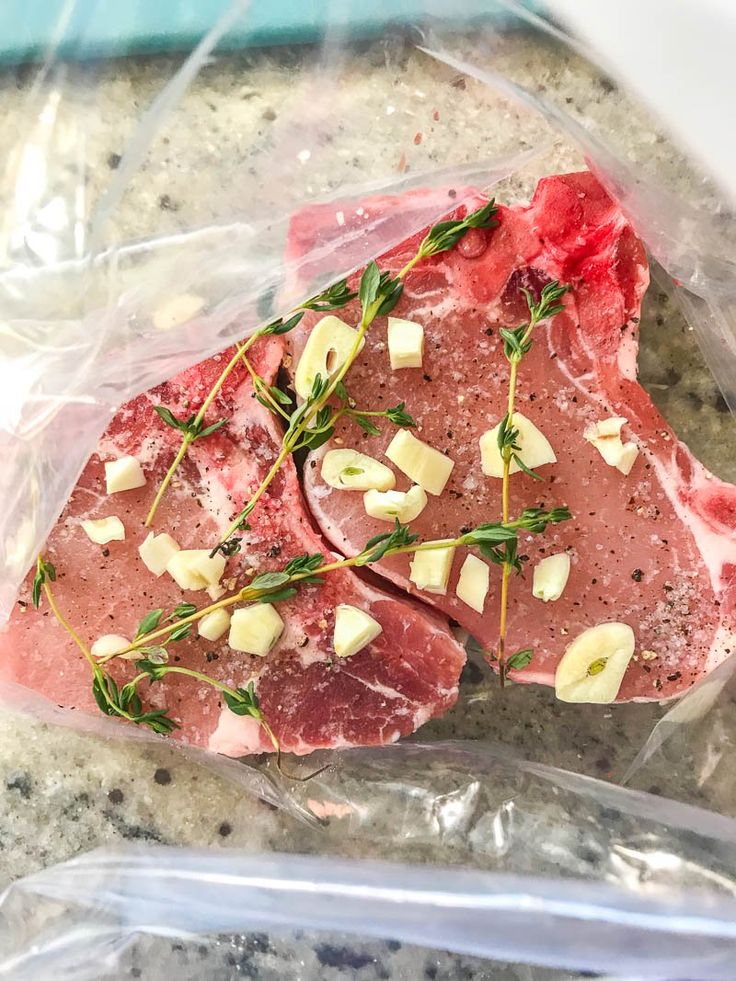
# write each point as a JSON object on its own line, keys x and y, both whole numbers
{"x": 641, "y": 885}
{"x": 558, "y": 869}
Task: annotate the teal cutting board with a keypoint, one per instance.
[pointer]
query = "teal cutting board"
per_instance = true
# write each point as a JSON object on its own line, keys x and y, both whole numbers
{"x": 30, "y": 29}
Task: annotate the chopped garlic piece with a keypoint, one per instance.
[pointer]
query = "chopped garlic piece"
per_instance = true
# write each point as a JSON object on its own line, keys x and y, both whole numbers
{"x": 390, "y": 505}
{"x": 104, "y": 530}
{"x": 420, "y": 462}
{"x": 192, "y": 568}
{"x": 472, "y": 585}
{"x": 110, "y": 644}
{"x": 534, "y": 448}
{"x": 550, "y": 577}
{"x": 123, "y": 474}
{"x": 177, "y": 311}
{"x": 215, "y": 592}
{"x": 328, "y": 347}
{"x": 593, "y": 666}
{"x": 405, "y": 343}
{"x": 156, "y": 550}
{"x": 351, "y": 470}
{"x": 255, "y": 629}
{"x": 213, "y": 625}
{"x": 354, "y": 630}
{"x": 605, "y": 435}
{"x": 430, "y": 569}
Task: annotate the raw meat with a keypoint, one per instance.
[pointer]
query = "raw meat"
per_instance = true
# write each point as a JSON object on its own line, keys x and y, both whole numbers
{"x": 656, "y": 549}
{"x": 310, "y": 698}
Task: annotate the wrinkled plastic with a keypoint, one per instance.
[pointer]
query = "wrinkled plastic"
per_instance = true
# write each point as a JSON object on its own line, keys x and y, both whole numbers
{"x": 558, "y": 869}
{"x": 634, "y": 884}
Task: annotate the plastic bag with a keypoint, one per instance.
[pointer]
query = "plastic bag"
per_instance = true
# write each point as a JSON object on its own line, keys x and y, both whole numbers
{"x": 635, "y": 884}
{"x": 86, "y": 266}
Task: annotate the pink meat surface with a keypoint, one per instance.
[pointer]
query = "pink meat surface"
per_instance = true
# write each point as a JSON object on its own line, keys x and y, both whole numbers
{"x": 657, "y": 548}
{"x": 310, "y": 698}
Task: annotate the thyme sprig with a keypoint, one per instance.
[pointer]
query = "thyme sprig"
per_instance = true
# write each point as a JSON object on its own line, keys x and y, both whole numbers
{"x": 333, "y": 298}
{"x": 446, "y": 234}
{"x": 310, "y": 569}
{"x": 517, "y": 342}
{"x": 396, "y": 414}
{"x": 312, "y": 423}
{"x": 111, "y": 700}
{"x": 275, "y": 400}
{"x": 124, "y": 701}
{"x": 155, "y": 631}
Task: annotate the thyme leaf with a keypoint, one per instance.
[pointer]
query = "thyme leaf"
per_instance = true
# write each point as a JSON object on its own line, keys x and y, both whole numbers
{"x": 180, "y": 632}
{"x": 368, "y": 427}
{"x": 192, "y": 427}
{"x": 446, "y": 234}
{"x": 182, "y": 610}
{"x": 333, "y": 298}
{"x": 520, "y": 660}
{"x": 377, "y": 547}
{"x": 527, "y": 470}
{"x": 244, "y": 701}
{"x": 370, "y": 282}
{"x": 281, "y": 326}
{"x": 44, "y": 571}
{"x": 269, "y": 580}
{"x": 149, "y": 622}
{"x": 399, "y": 417}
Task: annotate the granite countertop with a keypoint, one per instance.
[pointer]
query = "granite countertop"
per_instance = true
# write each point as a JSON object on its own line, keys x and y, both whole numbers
{"x": 62, "y": 792}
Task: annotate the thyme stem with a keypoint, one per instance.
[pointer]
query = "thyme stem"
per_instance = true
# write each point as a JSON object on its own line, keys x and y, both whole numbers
{"x": 188, "y": 438}
{"x": 334, "y": 297}
{"x": 97, "y": 672}
{"x": 260, "y": 388}
{"x": 381, "y": 298}
{"x": 248, "y": 594}
{"x": 293, "y": 436}
{"x": 517, "y": 343}
{"x": 51, "y": 599}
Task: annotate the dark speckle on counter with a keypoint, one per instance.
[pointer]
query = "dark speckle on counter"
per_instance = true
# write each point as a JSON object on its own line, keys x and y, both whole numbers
{"x": 21, "y": 783}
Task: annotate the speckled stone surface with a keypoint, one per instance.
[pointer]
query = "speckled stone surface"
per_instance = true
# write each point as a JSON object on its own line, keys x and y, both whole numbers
{"x": 61, "y": 792}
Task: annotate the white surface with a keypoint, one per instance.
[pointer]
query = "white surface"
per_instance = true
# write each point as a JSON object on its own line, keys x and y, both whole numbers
{"x": 679, "y": 57}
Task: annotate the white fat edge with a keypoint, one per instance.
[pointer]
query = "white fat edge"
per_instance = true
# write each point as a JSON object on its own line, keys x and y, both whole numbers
{"x": 320, "y": 490}
{"x": 390, "y": 693}
{"x": 434, "y": 305}
{"x": 422, "y": 714}
{"x": 312, "y": 484}
{"x": 216, "y": 499}
{"x": 146, "y": 453}
{"x": 337, "y": 741}
{"x": 715, "y": 548}
{"x": 628, "y": 355}
{"x": 235, "y": 735}
{"x": 722, "y": 647}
